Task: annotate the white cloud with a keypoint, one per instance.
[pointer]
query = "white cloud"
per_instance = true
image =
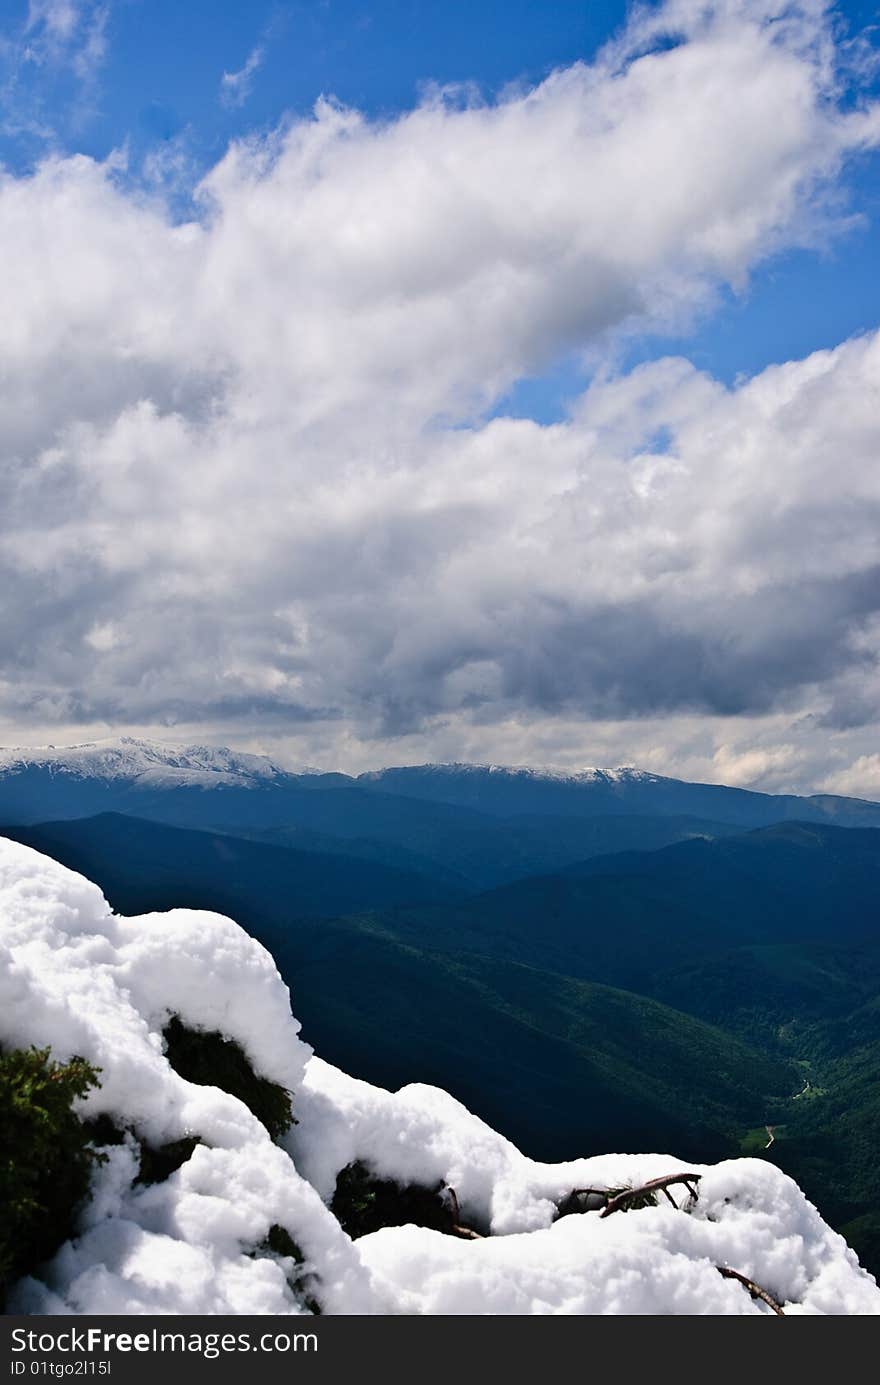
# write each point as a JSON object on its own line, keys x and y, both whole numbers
{"x": 254, "y": 447}
{"x": 59, "y": 18}
{"x": 67, "y": 33}
{"x": 59, "y": 39}
{"x": 235, "y": 87}
{"x": 860, "y": 779}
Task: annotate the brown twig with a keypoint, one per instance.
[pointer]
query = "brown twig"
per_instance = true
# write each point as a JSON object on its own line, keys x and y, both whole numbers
{"x": 754, "y": 1289}
{"x": 654, "y": 1185}
{"x": 466, "y": 1233}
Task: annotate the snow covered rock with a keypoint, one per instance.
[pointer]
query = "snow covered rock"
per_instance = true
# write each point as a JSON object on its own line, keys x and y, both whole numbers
{"x": 77, "y": 977}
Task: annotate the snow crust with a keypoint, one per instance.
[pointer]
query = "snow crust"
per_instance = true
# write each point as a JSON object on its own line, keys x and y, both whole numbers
{"x": 78, "y": 977}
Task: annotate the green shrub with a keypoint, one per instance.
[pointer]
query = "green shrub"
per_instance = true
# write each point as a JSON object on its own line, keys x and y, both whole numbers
{"x": 363, "y": 1203}
{"x": 46, "y": 1159}
{"x": 205, "y": 1057}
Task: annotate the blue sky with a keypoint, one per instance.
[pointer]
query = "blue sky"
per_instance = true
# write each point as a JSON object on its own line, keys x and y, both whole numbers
{"x": 165, "y": 60}
{"x": 440, "y": 419}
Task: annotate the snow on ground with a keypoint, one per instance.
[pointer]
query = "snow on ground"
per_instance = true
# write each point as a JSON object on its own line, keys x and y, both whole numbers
{"x": 86, "y": 981}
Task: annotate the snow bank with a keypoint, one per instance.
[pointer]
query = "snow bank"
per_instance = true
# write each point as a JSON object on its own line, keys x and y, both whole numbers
{"x": 77, "y": 977}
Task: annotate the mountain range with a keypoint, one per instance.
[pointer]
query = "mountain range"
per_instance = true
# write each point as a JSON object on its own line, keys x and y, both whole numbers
{"x": 474, "y": 825}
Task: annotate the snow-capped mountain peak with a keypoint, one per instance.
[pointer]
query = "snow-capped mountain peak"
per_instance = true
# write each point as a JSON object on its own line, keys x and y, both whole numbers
{"x": 156, "y": 763}
{"x": 585, "y": 775}
{"x": 126, "y": 758}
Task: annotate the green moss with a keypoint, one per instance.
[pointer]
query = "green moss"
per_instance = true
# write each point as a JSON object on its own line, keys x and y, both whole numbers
{"x": 46, "y": 1158}
{"x": 206, "y": 1057}
{"x": 363, "y": 1203}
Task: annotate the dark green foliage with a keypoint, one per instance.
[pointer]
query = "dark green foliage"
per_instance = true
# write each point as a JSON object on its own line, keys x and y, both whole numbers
{"x": 831, "y": 1142}
{"x": 206, "y": 1057}
{"x": 46, "y": 1158}
{"x": 280, "y": 1244}
{"x": 819, "y": 1005}
{"x": 280, "y": 1241}
{"x": 863, "y": 1234}
{"x": 157, "y": 1164}
{"x": 363, "y": 1203}
{"x": 103, "y": 1130}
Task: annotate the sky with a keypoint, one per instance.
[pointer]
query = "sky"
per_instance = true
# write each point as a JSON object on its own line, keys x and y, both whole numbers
{"x": 437, "y": 381}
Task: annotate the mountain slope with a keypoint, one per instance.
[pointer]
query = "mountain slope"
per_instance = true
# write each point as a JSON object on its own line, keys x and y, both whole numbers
{"x": 627, "y": 918}
{"x": 134, "y": 859}
{"x": 478, "y": 851}
{"x": 559, "y": 1065}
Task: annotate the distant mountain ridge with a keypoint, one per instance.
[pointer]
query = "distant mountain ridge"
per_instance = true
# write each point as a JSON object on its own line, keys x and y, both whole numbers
{"x": 127, "y": 774}
{"x": 506, "y": 792}
{"x": 128, "y": 758}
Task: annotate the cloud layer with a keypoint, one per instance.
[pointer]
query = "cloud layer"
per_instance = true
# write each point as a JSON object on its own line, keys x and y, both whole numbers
{"x": 250, "y": 479}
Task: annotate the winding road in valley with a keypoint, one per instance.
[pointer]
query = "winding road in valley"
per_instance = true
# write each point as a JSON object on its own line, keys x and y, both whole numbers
{"x": 771, "y": 1129}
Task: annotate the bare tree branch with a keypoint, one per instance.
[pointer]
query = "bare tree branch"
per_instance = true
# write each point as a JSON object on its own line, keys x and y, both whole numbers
{"x": 654, "y": 1185}
{"x": 754, "y": 1289}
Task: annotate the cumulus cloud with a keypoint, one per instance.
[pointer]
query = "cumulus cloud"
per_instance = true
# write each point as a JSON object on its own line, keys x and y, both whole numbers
{"x": 249, "y": 477}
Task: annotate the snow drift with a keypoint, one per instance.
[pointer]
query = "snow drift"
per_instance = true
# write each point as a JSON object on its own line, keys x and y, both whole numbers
{"x": 77, "y": 977}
